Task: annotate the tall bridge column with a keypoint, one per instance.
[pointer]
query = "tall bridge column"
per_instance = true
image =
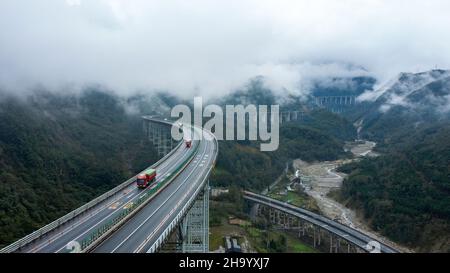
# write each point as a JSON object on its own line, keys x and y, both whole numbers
{"x": 195, "y": 225}
{"x": 288, "y": 116}
{"x": 335, "y": 244}
{"x": 160, "y": 136}
{"x": 316, "y": 235}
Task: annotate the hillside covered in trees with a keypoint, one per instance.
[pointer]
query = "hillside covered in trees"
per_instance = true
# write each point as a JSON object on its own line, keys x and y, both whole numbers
{"x": 319, "y": 135}
{"x": 59, "y": 151}
{"x": 405, "y": 193}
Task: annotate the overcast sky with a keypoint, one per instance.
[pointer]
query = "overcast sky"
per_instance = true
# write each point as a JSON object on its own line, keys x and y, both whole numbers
{"x": 211, "y": 47}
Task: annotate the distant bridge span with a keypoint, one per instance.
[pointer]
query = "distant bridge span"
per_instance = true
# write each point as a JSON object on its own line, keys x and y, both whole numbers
{"x": 358, "y": 239}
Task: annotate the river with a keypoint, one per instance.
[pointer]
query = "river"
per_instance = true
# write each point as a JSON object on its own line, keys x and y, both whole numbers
{"x": 320, "y": 178}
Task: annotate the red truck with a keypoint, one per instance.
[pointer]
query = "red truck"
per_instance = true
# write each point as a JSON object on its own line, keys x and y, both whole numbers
{"x": 188, "y": 143}
{"x": 146, "y": 178}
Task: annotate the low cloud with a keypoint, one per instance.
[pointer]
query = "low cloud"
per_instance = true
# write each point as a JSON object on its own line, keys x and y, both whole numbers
{"x": 210, "y": 48}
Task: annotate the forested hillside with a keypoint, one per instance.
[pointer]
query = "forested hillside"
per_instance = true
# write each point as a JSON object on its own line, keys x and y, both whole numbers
{"x": 319, "y": 136}
{"x": 405, "y": 193}
{"x": 60, "y": 151}
{"x": 243, "y": 164}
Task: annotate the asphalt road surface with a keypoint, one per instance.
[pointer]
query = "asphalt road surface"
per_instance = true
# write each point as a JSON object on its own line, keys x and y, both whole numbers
{"x": 141, "y": 231}
{"x": 62, "y": 238}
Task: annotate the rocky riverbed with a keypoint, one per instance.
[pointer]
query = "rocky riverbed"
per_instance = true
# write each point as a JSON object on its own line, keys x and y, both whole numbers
{"x": 320, "y": 178}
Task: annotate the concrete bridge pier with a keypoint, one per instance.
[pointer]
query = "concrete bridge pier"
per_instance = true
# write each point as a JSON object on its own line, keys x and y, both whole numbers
{"x": 289, "y": 116}
{"x": 331, "y": 243}
{"x": 160, "y": 135}
{"x": 301, "y": 228}
{"x": 272, "y": 216}
{"x": 195, "y": 225}
{"x": 317, "y": 237}
{"x": 306, "y": 231}
{"x": 335, "y": 244}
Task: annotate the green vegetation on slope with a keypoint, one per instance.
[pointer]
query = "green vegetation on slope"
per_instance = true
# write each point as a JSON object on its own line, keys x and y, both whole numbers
{"x": 405, "y": 193}
{"x": 320, "y": 136}
{"x": 59, "y": 151}
{"x": 261, "y": 237}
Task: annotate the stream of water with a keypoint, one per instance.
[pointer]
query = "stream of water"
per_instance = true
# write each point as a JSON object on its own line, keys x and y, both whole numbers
{"x": 320, "y": 178}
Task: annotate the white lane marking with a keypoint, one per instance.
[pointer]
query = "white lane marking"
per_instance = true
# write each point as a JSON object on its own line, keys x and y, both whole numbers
{"x": 142, "y": 245}
{"x": 165, "y": 218}
{"x": 146, "y": 219}
{"x": 93, "y": 226}
{"x": 115, "y": 205}
{"x": 138, "y": 195}
{"x": 71, "y": 227}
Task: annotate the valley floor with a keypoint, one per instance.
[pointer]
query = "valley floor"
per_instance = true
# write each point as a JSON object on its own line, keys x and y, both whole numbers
{"x": 252, "y": 239}
{"x": 320, "y": 179}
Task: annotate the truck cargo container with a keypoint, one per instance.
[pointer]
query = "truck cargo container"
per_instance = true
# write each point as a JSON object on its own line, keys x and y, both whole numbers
{"x": 146, "y": 178}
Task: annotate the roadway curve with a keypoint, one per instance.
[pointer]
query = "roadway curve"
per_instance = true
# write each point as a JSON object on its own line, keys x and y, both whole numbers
{"x": 80, "y": 227}
{"x": 349, "y": 234}
{"x": 140, "y": 233}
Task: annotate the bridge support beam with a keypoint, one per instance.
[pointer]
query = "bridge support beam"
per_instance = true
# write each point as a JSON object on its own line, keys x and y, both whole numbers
{"x": 310, "y": 227}
{"x": 195, "y": 225}
{"x": 316, "y": 235}
{"x": 336, "y": 104}
{"x": 160, "y": 136}
{"x": 335, "y": 244}
{"x": 289, "y": 116}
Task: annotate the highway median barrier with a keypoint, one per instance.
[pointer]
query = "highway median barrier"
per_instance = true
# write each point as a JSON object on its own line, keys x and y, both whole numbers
{"x": 19, "y": 244}
{"x": 103, "y": 232}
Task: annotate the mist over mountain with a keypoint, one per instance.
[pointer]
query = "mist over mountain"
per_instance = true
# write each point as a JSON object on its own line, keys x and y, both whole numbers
{"x": 343, "y": 86}
{"x": 363, "y": 89}
{"x": 397, "y": 90}
{"x": 404, "y": 193}
{"x": 408, "y": 102}
{"x": 214, "y": 48}
{"x": 58, "y": 152}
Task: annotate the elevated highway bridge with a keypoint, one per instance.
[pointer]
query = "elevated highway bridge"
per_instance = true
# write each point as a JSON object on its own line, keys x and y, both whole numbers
{"x": 293, "y": 217}
{"x": 128, "y": 219}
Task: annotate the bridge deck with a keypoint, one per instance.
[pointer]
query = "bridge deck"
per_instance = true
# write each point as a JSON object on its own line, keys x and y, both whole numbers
{"x": 141, "y": 232}
{"x": 349, "y": 234}
{"x": 150, "y": 220}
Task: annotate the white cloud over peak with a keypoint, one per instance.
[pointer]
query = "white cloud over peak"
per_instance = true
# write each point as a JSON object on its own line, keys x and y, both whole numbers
{"x": 211, "y": 47}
